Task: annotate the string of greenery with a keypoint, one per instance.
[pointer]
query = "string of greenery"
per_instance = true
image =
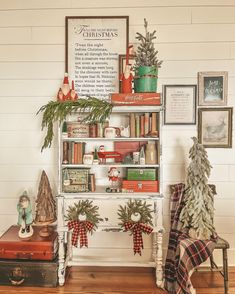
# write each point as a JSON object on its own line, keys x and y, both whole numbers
{"x": 96, "y": 110}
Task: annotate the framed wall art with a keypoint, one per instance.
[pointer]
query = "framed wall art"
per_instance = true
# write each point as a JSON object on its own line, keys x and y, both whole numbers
{"x": 180, "y": 104}
{"x": 215, "y": 127}
{"x": 92, "y": 48}
{"x": 212, "y": 88}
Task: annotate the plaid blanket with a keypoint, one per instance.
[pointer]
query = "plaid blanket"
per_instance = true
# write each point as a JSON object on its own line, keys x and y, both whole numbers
{"x": 184, "y": 253}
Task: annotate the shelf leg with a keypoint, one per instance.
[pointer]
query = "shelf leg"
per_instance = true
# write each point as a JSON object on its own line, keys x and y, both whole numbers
{"x": 61, "y": 269}
{"x": 159, "y": 265}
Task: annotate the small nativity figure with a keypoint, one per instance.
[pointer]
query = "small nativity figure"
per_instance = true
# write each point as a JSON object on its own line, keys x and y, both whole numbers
{"x": 126, "y": 77}
{"x": 25, "y": 218}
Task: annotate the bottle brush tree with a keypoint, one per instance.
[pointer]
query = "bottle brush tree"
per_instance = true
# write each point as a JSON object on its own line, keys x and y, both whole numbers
{"x": 146, "y": 54}
{"x": 198, "y": 211}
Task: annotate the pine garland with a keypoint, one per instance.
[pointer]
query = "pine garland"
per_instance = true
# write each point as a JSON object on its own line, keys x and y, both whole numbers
{"x": 84, "y": 207}
{"x": 198, "y": 212}
{"x": 56, "y": 111}
{"x": 132, "y": 207}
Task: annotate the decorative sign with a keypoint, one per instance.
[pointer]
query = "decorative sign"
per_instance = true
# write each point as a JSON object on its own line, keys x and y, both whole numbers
{"x": 93, "y": 46}
{"x": 180, "y": 104}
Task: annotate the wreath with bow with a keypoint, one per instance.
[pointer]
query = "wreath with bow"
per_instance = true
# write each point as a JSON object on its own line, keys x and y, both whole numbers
{"x": 82, "y": 217}
{"x": 136, "y": 217}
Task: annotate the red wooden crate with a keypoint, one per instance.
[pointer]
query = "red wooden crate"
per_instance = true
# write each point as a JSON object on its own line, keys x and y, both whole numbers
{"x": 120, "y": 99}
{"x": 140, "y": 186}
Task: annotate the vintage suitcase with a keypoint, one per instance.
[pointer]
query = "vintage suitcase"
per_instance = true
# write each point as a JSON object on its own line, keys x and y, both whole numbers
{"x": 141, "y": 174}
{"x": 35, "y": 248}
{"x": 29, "y": 273}
{"x": 139, "y": 186}
{"x": 75, "y": 180}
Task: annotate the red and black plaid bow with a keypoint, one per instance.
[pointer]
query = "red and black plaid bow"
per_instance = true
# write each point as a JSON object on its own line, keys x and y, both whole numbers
{"x": 80, "y": 229}
{"x": 137, "y": 229}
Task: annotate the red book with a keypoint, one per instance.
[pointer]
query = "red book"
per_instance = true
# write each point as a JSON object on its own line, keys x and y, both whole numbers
{"x": 75, "y": 153}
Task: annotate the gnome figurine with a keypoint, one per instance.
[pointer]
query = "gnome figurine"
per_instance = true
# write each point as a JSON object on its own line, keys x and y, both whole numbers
{"x": 25, "y": 218}
{"x": 126, "y": 77}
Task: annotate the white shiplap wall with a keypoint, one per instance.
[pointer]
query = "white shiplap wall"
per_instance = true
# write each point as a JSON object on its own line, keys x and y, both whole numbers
{"x": 192, "y": 36}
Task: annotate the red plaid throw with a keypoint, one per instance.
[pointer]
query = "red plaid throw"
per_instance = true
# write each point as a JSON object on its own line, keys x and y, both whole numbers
{"x": 80, "y": 229}
{"x": 184, "y": 253}
{"x": 137, "y": 229}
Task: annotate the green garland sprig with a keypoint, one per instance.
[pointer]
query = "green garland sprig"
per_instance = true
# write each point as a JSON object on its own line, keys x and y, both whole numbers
{"x": 132, "y": 207}
{"x": 84, "y": 207}
{"x": 56, "y": 111}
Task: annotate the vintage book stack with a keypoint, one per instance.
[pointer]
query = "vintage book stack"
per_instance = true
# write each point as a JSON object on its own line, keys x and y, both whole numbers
{"x": 28, "y": 262}
{"x": 141, "y": 125}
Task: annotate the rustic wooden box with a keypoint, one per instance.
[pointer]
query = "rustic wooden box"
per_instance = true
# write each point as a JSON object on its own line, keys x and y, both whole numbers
{"x": 139, "y": 186}
{"x": 29, "y": 273}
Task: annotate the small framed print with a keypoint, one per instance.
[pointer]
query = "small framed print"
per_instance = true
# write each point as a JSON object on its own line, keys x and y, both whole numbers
{"x": 215, "y": 127}
{"x": 180, "y": 104}
{"x": 212, "y": 88}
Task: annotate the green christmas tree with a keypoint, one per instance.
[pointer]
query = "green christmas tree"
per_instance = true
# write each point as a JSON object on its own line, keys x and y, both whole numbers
{"x": 146, "y": 54}
{"x": 198, "y": 212}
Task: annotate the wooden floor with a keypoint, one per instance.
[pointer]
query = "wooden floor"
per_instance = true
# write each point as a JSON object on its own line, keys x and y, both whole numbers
{"x": 94, "y": 280}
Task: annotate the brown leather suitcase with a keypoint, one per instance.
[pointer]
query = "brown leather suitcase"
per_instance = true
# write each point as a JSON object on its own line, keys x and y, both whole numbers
{"x": 29, "y": 273}
{"x": 35, "y": 248}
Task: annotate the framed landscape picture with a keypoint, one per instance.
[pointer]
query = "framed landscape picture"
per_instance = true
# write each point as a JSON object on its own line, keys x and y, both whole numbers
{"x": 215, "y": 127}
{"x": 212, "y": 88}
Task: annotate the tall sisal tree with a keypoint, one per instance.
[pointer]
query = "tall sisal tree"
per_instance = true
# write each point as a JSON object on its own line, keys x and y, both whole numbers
{"x": 45, "y": 203}
{"x": 198, "y": 212}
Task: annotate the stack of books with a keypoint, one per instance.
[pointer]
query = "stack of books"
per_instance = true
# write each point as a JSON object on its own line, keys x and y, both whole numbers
{"x": 141, "y": 125}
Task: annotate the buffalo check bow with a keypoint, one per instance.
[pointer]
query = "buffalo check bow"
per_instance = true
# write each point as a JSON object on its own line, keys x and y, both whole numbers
{"x": 137, "y": 229}
{"x": 80, "y": 229}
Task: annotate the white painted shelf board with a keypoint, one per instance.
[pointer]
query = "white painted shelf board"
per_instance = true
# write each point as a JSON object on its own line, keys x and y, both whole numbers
{"x": 126, "y": 139}
{"x": 94, "y": 261}
{"x": 112, "y": 229}
{"x": 108, "y": 165}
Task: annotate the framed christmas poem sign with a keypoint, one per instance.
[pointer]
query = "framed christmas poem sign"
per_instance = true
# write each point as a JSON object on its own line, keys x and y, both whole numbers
{"x": 93, "y": 46}
{"x": 215, "y": 127}
{"x": 212, "y": 88}
{"x": 179, "y": 104}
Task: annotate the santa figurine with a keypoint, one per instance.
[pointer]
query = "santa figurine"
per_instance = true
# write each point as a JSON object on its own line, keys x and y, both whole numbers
{"x": 126, "y": 77}
{"x": 65, "y": 87}
{"x": 25, "y": 218}
{"x": 73, "y": 94}
{"x": 113, "y": 175}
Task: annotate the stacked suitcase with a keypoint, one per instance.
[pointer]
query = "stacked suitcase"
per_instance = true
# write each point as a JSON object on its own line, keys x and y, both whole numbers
{"x": 30, "y": 262}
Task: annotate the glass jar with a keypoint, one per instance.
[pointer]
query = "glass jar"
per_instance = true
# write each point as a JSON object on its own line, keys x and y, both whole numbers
{"x": 151, "y": 153}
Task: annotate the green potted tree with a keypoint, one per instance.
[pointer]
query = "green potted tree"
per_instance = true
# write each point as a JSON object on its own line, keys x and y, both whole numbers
{"x": 146, "y": 62}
